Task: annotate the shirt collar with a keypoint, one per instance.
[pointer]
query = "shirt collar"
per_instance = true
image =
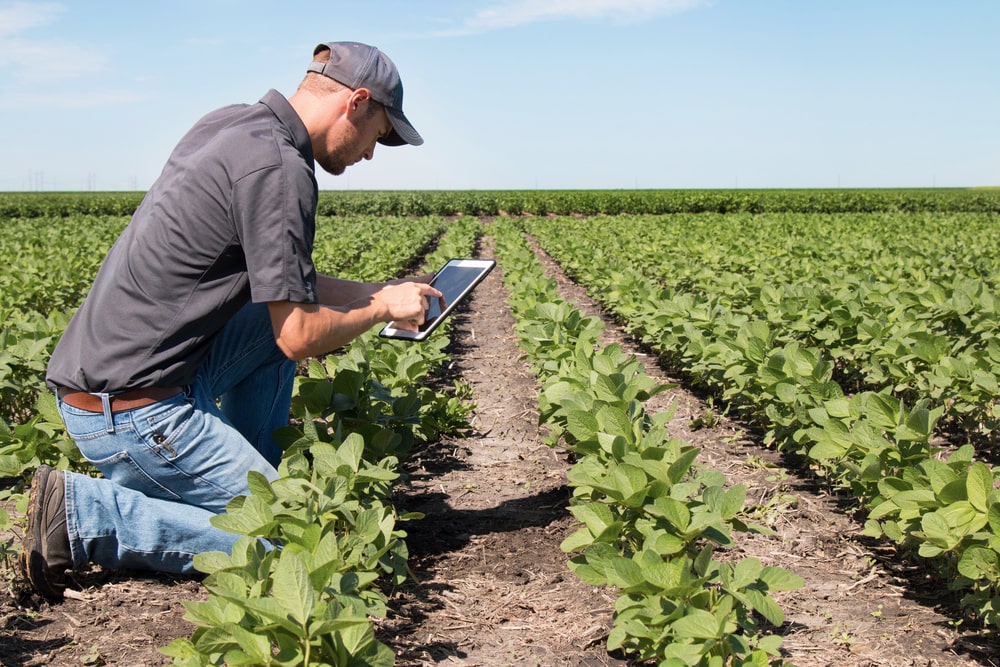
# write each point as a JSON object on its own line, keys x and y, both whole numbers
{"x": 287, "y": 116}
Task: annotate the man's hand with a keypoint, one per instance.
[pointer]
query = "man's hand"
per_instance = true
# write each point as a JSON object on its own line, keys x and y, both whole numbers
{"x": 407, "y": 302}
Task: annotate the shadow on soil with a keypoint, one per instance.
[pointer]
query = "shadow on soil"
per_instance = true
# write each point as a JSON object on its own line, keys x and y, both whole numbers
{"x": 443, "y": 531}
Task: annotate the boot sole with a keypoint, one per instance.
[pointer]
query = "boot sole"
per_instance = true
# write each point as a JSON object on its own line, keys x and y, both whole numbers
{"x": 33, "y": 562}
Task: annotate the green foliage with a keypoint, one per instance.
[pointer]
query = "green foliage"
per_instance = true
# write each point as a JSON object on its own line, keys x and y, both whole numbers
{"x": 299, "y": 586}
{"x": 298, "y": 589}
{"x": 858, "y": 364}
{"x": 650, "y": 517}
{"x": 44, "y": 280}
{"x": 643, "y": 202}
{"x": 855, "y": 327}
{"x": 372, "y": 248}
{"x": 561, "y": 202}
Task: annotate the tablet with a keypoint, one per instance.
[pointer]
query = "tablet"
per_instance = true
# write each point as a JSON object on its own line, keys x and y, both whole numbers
{"x": 455, "y": 281}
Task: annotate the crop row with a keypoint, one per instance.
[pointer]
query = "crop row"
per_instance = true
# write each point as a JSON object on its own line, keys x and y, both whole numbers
{"x": 357, "y": 413}
{"x": 311, "y": 600}
{"x": 651, "y": 517}
{"x": 45, "y": 278}
{"x": 906, "y": 303}
{"x": 360, "y": 412}
{"x": 560, "y": 202}
{"x": 941, "y": 507}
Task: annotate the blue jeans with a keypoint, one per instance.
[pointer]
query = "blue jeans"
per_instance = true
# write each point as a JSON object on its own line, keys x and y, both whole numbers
{"x": 170, "y": 466}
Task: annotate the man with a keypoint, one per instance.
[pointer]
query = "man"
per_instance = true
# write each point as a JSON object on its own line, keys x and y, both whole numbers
{"x": 179, "y": 364}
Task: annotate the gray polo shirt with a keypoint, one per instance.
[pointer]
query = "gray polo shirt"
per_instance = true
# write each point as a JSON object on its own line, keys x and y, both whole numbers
{"x": 230, "y": 219}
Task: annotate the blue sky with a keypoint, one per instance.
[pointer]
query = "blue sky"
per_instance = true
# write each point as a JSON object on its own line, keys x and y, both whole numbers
{"x": 523, "y": 94}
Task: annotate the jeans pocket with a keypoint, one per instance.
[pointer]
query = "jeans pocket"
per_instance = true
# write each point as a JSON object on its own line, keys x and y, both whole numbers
{"x": 110, "y": 454}
{"x": 165, "y": 429}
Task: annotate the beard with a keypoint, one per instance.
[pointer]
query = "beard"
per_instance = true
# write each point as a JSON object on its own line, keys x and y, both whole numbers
{"x": 331, "y": 165}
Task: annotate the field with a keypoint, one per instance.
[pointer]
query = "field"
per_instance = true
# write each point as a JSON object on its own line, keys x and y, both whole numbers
{"x": 694, "y": 427}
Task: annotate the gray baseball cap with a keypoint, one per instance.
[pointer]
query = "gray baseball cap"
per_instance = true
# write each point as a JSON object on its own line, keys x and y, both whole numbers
{"x": 361, "y": 66}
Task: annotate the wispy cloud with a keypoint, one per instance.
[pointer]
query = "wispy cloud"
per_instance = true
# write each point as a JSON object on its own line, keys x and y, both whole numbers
{"x": 28, "y": 58}
{"x": 19, "y": 16}
{"x": 513, "y": 13}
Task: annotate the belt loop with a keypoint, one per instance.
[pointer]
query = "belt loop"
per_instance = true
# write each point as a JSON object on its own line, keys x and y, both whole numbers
{"x": 109, "y": 419}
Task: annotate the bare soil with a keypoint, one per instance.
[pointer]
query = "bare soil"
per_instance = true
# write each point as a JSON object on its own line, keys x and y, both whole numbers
{"x": 492, "y": 587}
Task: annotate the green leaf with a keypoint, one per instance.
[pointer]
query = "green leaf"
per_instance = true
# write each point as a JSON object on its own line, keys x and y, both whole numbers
{"x": 769, "y": 645}
{"x": 827, "y": 449}
{"x": 786, "y": 392}
{"x": 733, "y": 501}
{"x": 215, "y": 640}
{"x": 614, "y": 420}
{"x": 938, "y": 530}
{"x": 780, "y": 579}
{"x": 352, "y": 450}
{"x": 883, "y": 411}
{"x": 993, "y": 516}
{"x": 697, "y": 624}
{"x": 11, "y": 466}
{"x": 979, "y": 485}
{"x": 211, "y": 561}
{"x": 978, "y": 563}
{"x": 316, "y": 370}
{"x": 680, "y": 468}
{"x": 45, "y": 404}
{"x": 596, "y": 516}
{"x": 765, "y": 605}
{"x": 625, "y": 573}
{"x": 839, "y": 408}
{"x": 920, "y": 422}
{"x": 939, "y": 474}
{"x": 673, "y": 510}
{"x": 292, "y": 588}
{"x": 273, "y": 611}
{"x": 581, "y": 425}
{"x": 665, "y": 544}
{"x": 577, "y": 540}
{"x": 630, "y": 482}
{"x": 746, "y": 572}
{"x": 665, "y": 575}
{"x": 260, "y": 486}
{"x": 256, "y": 646}
{"x": 253, "y": 518}
{"x": 183, "y": 652}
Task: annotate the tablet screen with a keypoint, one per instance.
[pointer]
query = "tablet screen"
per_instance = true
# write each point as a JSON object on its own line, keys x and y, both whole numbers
{"x": 455, "y": 281}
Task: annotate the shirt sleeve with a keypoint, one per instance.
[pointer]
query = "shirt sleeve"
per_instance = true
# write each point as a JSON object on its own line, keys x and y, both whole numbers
{"x": 274, "y": 213}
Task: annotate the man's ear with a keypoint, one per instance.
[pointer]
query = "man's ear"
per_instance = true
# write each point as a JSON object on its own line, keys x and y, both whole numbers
{"x": 358, "y": 100}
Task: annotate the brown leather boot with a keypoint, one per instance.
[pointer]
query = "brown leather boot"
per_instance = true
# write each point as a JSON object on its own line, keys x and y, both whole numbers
{"x": 45, "y": 552}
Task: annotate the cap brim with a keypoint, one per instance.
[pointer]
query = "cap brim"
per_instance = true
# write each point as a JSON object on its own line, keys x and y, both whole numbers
{"x": 402, "y": 131}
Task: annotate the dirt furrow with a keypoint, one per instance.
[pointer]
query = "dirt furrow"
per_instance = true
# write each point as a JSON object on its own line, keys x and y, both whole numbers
{"x": 492, "y": 584}
{"x": 493, "y": 587}
{"x": 860, "y": 607}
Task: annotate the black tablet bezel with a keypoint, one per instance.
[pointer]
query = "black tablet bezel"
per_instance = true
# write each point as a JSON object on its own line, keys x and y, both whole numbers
{"x": 484, "y": 266}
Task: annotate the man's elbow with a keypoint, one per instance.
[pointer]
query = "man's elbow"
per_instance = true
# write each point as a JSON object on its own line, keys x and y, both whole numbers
{"x": 294, "y": 350}
{"x": 290, "y": 329}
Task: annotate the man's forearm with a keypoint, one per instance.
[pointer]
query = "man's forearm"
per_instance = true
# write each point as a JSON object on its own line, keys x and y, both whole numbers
{"x": 303, "y": 329}
{"x": 337, "y": 292}
{"x": 307, "y": 330}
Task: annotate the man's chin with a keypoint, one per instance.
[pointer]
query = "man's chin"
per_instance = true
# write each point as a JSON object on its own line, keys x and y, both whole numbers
{"x": 335, "y": 169}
